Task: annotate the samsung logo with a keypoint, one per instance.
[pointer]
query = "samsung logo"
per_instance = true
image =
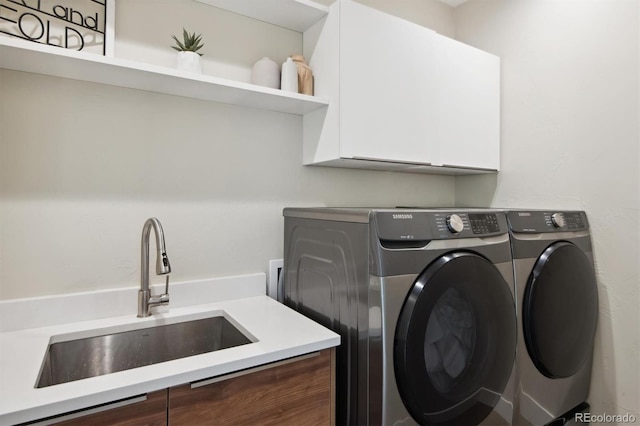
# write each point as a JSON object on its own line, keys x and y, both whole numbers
{"x": 525, "y": 214}
{"x": 402, "y": 216}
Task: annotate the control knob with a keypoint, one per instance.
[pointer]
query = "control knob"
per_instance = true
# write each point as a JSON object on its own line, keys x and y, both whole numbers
{"x": 558, "y": 220}
{"x": 455, "y": 224}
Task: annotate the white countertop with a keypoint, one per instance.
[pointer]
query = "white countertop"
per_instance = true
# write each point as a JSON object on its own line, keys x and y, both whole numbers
{"x": 277, "y": 333}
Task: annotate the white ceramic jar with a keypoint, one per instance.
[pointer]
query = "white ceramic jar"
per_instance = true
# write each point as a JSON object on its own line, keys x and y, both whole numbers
{"x": 266, "y": 73}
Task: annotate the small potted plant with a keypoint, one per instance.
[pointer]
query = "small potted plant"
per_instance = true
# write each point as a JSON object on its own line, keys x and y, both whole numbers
{"x": 188, "y": 55}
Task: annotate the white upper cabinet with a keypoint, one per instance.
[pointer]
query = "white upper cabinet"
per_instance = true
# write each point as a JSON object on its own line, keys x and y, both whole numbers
{"x": 401, "y": 96}
{"x": 468, "y": 103}
{"x": 386, "y": 79}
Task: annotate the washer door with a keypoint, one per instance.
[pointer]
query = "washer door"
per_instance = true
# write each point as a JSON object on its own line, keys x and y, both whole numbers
{"x": 455, "y": 341}
{"x": 560, "y": 310}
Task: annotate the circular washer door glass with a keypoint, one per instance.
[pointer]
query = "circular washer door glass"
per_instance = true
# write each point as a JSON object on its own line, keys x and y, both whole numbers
{"x": 455, "y": 341}
{"x": 560, "y": 310}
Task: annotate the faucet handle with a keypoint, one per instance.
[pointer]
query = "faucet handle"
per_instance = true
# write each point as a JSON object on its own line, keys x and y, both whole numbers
{"x": 166, "y": 285}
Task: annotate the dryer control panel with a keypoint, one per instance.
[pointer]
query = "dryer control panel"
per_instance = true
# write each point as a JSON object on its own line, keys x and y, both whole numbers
{"x": 540, "y": 221}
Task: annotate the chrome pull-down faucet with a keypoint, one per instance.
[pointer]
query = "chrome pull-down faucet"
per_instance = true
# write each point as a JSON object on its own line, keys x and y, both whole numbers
{"x": 145, "y": 300}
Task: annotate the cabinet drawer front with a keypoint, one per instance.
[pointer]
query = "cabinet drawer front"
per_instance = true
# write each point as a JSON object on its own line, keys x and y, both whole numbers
{"x": 145, "y": 410}
{"x": 297, "y": 393}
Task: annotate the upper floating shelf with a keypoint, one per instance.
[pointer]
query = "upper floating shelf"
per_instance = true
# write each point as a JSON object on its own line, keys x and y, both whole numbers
{"x": 297, "y": 15}
{"x": 20, "y": 55}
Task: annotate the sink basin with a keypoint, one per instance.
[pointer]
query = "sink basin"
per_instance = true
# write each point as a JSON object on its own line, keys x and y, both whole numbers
{"x": 97, "y": 355}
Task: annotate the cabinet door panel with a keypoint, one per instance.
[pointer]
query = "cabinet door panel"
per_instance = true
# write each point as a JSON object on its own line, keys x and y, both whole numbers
{"x": 152, "y": 412}
{"x": 386, "y": 87}
{"x": 468, "y": 101}
{"x": 297, "y": 393}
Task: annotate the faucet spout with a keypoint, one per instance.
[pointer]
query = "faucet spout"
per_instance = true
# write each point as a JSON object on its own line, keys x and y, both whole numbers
{"x": 163, "y": 267}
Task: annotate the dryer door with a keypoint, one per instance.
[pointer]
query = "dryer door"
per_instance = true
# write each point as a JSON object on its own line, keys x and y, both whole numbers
{"x": 560, "y": 310}
{"x": 455, "y": 341}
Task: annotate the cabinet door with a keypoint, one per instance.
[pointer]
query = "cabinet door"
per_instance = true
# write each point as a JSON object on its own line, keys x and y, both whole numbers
{"x": 468, "y": 101}
{"x": 285, "y": 393}
{"x": 386, "y": 87}
{"x": 150, "y": 410}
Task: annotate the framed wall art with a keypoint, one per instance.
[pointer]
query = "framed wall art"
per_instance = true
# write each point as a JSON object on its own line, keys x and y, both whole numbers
{"x": 83, "y": 25}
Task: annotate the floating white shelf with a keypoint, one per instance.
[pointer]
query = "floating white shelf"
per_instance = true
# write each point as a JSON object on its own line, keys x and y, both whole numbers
{"x": 297, "y": 15}
{"x": 20, "y": 55}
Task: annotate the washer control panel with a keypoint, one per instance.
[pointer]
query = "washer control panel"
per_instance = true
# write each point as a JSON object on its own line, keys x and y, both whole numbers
{"x": 539, "y": 221}
{"x": 420, "y": 226}
{"x": 468, "y": 224}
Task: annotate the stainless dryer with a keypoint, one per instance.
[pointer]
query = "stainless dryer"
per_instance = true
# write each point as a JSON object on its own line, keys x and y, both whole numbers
{"x": 424, "y": 303}
{"x": 558, "y": 309}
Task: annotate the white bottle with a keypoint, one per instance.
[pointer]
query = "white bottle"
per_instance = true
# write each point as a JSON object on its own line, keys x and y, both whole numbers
{"x": 289, "y": 81}
{"x": 266, "y": 73}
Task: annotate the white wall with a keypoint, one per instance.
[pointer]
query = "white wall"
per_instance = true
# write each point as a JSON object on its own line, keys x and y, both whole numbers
{"x": 570, "y": 139}
{"x": 83, "y": 165}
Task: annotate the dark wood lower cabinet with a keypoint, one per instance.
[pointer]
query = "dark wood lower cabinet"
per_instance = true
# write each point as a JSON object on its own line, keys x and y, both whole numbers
{"x": 298, "y": 392}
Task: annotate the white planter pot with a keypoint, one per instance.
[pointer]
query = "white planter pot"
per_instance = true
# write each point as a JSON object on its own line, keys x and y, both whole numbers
{"x": 188, "y": 61}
